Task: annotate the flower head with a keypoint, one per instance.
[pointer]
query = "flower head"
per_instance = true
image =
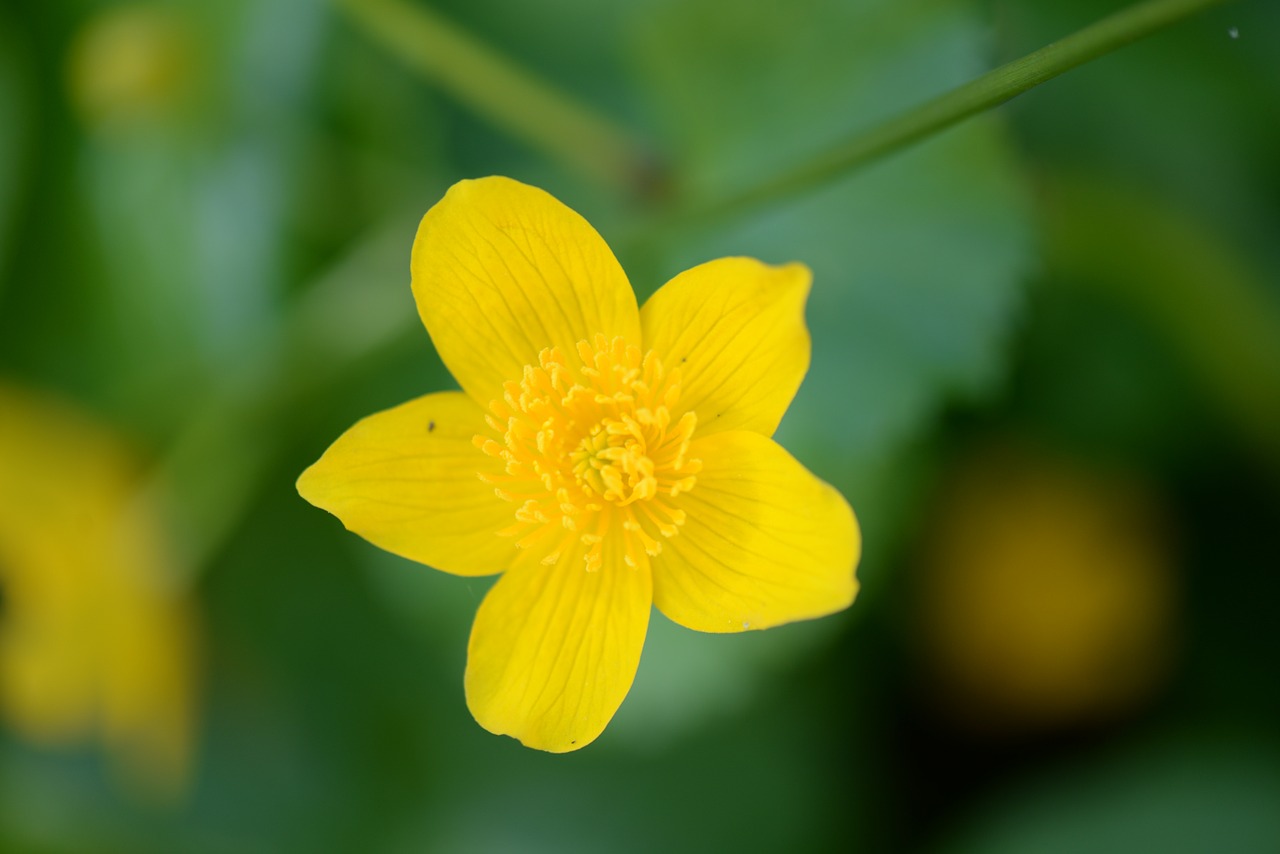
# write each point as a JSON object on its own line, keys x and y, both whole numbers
{"x": 604, "y": 458}
{"x": 94, "y": 645}
{"x": 1048, "y": 594}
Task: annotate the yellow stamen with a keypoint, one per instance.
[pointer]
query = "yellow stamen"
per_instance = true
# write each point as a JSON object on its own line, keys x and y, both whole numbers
{"x": 592, "y": 452}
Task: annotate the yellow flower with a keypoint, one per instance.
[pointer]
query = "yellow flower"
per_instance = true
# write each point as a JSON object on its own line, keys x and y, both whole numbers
{"x": 607, "y": 458}
{"x": 1048, "y": 592}
{"x": 128, "y": 63}
{"x": 92, "y": 643}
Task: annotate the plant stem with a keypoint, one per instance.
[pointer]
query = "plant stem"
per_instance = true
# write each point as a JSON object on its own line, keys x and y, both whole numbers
{"x": 510, "y": 97}
{"x": 990, "y": 90}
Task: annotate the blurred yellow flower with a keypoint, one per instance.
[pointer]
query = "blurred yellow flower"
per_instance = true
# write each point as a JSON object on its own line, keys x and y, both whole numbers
{"x": 129, "y": 62}
{"x": 608, "y": 458}
{"x": 1047, "y": 592}
{"x": 92, "y": 645}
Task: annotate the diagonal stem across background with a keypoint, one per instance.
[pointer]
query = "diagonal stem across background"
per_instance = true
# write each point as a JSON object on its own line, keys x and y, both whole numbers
{"x": 508, "y": 96}
{"x": 990, "y": 90}
{"x": 535, "y": 111}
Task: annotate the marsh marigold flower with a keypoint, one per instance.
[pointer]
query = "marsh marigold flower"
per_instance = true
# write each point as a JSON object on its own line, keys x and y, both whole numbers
{"x": 94, "y": 645}
{"x": 604, "y": 458}
{"x": 1048, "y": 592}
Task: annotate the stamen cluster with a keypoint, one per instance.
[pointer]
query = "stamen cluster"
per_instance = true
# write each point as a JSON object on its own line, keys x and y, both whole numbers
{"x": 591, "y": 453}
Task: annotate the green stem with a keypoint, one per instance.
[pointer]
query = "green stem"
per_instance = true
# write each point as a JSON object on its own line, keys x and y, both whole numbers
{"x": 508, "y": 96}
{"x": 990, "y": 90}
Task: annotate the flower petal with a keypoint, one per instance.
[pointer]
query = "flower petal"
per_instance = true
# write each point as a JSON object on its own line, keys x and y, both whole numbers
{"x": 502, "y": 270}
{"x": 555, "y": 648}
{"x": 764, "y": 542}
{"x": 408, "y": 480}
{"x": 735, "y": 329}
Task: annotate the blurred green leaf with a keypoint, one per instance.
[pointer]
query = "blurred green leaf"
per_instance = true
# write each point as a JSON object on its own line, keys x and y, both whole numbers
{"x": 689, "y": 680}
{"x": 15, "y": 110}
{"x": 1207, "y": 300}
{"x": 931, "y": 116}
{"x": 917, "y": 261}
{"x": 1126, "y": 397}
{"x": 1189, "y": 115}
{"x": 749, "y": 784}
{"x": 191, "y": 185}
{"x": 1194, "y": 795}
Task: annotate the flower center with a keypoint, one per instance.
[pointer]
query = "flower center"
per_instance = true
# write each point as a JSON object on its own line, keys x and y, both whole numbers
{"x": 590, "y": 452}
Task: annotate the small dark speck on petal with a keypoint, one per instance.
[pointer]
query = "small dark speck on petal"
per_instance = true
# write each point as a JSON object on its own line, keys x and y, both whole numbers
{"x": 431, "y": 425}
{"x": 684, "y": 359}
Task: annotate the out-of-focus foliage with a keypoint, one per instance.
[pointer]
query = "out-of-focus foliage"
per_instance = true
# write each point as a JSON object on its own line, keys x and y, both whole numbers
{"x": 15, "y": 119}
{"x": 1179, "y": 793}
{"x": 891, "y": 321}
{"x": 912, "y": 301}
{"x": 206, "y": 210}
